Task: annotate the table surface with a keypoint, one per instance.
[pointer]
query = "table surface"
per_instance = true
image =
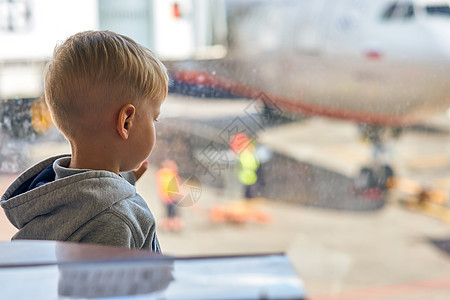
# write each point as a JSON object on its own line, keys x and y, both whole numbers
{"x": 53, "y": 270}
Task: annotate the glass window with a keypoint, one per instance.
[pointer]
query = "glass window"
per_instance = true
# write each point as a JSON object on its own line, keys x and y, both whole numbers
{"x": 315, "y": 128}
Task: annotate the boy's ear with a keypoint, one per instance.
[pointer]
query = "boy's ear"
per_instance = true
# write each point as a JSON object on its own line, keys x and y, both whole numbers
{"x": 125, "y": 120}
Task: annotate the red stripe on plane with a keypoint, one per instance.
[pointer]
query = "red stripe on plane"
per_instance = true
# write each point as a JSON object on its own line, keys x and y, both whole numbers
{"x": 288, "y": 104}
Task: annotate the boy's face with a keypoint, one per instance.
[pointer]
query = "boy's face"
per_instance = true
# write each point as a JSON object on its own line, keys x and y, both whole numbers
{"x": 144, "y": 129}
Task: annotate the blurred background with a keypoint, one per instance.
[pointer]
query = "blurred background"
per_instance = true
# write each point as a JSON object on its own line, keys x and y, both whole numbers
{"x": 319, "y": 129}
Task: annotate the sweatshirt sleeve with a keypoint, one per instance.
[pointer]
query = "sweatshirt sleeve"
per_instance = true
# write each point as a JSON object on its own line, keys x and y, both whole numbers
{"x": 107, "y": 229}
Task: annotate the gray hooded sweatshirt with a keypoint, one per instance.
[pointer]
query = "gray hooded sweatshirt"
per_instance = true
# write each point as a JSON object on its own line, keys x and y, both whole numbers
{"x": 50, "y": 201}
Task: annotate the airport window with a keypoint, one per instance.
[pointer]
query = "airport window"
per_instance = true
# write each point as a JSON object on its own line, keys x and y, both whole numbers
{"x": 438, "y": 11}
{"x": 15, "y": 15}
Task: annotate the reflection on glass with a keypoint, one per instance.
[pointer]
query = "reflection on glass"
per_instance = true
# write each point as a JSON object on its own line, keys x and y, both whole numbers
{"x": 114, "y": 279}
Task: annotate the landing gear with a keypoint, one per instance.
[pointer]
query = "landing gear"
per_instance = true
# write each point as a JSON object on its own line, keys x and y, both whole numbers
{"x": 377, "y": 175}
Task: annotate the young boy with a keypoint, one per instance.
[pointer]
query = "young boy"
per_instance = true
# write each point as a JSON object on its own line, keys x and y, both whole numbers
{"x": 104, "y": 92}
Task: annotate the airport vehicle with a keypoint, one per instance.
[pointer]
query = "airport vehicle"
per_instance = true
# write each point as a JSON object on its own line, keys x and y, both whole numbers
{"x": 381, "y": 64}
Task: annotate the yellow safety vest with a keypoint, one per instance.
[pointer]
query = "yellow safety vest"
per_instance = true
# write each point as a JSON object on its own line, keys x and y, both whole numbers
{"x": 249, "y": 164}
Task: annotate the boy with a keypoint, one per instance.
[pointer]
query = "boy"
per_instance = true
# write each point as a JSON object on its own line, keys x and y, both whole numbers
{"x": 104, "y": 92}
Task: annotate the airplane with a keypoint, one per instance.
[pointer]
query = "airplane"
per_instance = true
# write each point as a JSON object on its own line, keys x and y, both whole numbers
{"x": 381, "y": 64}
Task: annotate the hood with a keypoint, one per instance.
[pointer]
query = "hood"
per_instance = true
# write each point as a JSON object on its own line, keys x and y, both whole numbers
{"x": 50, "y": 195}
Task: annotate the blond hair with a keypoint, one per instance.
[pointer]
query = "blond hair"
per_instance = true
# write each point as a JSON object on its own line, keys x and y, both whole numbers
{"x": 92, "y": 70}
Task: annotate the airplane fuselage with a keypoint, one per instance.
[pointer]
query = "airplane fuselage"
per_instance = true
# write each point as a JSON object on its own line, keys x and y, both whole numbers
{"x": 385, "y": 58}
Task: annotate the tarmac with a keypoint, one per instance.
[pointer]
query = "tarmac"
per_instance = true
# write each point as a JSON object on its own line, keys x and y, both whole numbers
{"x": 390, "y": 251}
